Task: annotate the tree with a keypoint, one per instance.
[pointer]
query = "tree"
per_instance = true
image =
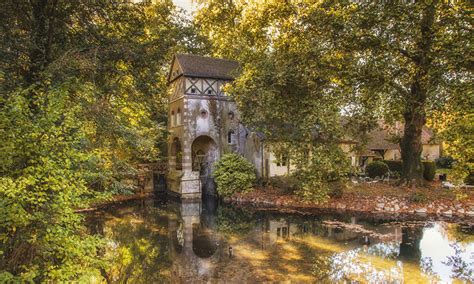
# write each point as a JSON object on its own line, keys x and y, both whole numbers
{"x": 81, "y": 102}
{"x": 305, "y": 63}
{"x": 409, "y": 57}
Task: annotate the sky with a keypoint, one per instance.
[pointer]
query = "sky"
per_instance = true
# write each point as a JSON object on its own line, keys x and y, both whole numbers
{"x": 188, "y": 5}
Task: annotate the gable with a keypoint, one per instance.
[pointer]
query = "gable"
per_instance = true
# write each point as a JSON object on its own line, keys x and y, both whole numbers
{"x": 175, "y": 70}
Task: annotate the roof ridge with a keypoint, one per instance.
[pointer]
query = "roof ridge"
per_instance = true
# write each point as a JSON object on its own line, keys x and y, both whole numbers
{"x": 205, "y": 56}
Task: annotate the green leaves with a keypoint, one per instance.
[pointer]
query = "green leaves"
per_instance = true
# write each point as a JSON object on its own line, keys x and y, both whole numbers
{"x": 82, "y": 101}
{"x": 233, "y": 173}
{"x": 306, "y": 65}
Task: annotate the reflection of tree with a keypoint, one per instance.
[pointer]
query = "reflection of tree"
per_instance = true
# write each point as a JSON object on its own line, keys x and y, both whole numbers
{"x": 235, "y": 220}
{"x": 137, "y": 251}
{"x": 353, "y": 265}
{"x": 410, "y": 246}
{"x": 459, "y": 233}
{"x": 322, "y": 267}
{"x": 385, "y": 250}
{"x": 460, "y": 268}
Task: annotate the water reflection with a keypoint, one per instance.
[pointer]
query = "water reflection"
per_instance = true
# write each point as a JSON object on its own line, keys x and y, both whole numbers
{"x": 158, "y": 241}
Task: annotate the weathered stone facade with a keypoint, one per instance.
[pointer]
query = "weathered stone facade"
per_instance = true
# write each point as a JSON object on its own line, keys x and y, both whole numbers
{"x": 203, "y": 124}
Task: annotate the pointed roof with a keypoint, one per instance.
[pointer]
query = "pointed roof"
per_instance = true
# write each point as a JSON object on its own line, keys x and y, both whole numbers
{"x": 205, "y": 67}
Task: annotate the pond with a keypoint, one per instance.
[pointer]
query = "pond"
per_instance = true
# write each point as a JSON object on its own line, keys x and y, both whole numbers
{"x": 166, "y": 241}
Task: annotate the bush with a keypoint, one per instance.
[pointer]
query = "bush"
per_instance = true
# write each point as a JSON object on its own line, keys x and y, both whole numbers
{"x": 286, "y": 184}
{"x": 376, "y": 169}
{"x": 233, "y": 173}
{"x": 469, "y": 180}
{"x": 394, "y": 166}
{"x": 445, "y": 162}
{"x": 336, "y": 191}
{"x": 429, "y": 170}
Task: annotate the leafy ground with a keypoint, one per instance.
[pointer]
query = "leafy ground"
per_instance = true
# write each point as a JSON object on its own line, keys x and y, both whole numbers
{"x": 373, "y": 197}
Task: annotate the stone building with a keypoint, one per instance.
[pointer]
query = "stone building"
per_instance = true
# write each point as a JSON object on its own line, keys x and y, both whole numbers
{"x": 203, "y": 124}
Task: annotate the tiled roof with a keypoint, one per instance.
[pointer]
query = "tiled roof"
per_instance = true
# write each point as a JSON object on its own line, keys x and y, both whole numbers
{"x": 383, "y": 137}
{"x": 207, "y": 67}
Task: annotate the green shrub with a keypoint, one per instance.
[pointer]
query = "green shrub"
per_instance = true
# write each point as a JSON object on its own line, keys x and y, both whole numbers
{"x": 336, "y": 191}
{"x": 429, "y": 170}
{"x": 286, "y": 184}
{"x": 394, "y": 166}
{"x": 469, "y": 179}
{"x": 418, "y": 197}
{"x": 233, "y": 173}
{"x": 445, "y": 162}
{"x": 376, "y": 169}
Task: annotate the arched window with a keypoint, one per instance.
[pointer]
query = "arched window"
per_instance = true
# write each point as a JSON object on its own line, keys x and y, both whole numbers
{"x": 172, "y": 118}
{"x": 231, "y": 115}
{"x": 178, "y": 117}
{"x": 230, "y": 137}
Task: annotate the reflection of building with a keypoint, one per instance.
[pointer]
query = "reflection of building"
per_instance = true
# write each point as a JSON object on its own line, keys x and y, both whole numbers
{"x": 193, "y": 244}
{"x": 279, "y": 229}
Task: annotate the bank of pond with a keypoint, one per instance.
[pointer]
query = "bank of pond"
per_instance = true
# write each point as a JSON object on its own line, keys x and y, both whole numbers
{"x": 160, "y": 240}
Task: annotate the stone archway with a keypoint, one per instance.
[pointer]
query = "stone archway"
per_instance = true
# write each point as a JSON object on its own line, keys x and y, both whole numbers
{"x": 204, "y": 154}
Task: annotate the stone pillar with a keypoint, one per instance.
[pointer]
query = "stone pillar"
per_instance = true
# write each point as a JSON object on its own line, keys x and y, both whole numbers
{"x": 190, "y": 182}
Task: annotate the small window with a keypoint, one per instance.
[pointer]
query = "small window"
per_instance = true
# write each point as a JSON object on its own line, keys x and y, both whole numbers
{"x": 231, "y": 115}
{"x": 172, "y": 118}
{"x": 178, "y": 117}
{"x": 203, "y": 113}
{"x": 193, "y": 90}
{"x": 282, "y": 160}
{"x": 209, "y": 92}
{"x": 230, "y": 137}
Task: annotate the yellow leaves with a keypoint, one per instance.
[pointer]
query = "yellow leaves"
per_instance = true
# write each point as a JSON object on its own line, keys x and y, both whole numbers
{"x": 121, "y": 65}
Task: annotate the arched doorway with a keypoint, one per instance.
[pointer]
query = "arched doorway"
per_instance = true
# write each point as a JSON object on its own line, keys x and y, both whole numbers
{"x": 204, "y": 154}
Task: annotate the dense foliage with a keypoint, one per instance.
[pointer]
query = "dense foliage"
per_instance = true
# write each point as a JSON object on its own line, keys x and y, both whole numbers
{"x": 376, "y": 169}
{"x": 395, "y": 166}
{"x": 429, "y": 170}
{"x": 81, "y": 102}
{"x": 233, "y": 173}
{"x": 445, "y": 162}
{"x": 305, "y": 63}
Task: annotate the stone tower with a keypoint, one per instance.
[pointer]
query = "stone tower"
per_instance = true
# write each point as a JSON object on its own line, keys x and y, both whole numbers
{"x": 203, "y": 123}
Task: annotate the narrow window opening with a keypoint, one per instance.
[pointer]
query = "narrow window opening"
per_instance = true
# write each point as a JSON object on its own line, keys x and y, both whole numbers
{"x": 178, "y": 117}
{"x": 230, "y": 137}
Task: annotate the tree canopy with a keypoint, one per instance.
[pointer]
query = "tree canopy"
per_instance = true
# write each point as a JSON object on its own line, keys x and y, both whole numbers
{"x": 82, "y": 101}
{"x": 311, "y": 69}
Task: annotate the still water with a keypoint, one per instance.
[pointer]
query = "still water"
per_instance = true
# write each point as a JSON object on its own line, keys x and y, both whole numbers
{"x": 164, "y": 241}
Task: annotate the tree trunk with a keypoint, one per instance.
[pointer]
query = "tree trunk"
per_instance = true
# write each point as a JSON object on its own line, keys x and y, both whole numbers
{"x": 411, "y": 145}
{"x": 415, "y": 114}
